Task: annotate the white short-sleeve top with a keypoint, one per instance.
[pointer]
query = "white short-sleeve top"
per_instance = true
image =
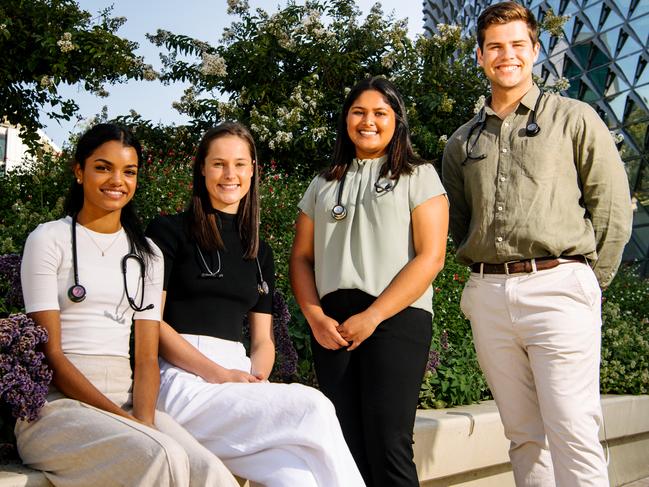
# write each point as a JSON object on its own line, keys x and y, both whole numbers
{"x": 368, "y": 248}
{"x": 100, "y": 324}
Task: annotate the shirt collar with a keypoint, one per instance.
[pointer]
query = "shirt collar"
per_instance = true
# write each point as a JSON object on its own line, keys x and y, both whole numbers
{"x": 528, "y": 101}
{"x": 379, "y": 160}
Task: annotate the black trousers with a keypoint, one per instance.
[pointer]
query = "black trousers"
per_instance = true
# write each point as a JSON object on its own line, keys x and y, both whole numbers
{"x": 375, "y": 388}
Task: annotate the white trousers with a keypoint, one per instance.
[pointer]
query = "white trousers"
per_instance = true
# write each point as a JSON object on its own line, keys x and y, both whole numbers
{"x": 77, "y": 445}
{"x": 275, "y": 435}
{"x": 538, "y": 339}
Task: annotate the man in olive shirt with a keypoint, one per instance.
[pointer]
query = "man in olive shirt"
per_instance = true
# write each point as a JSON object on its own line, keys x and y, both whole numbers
{"x": 540, "y": 210}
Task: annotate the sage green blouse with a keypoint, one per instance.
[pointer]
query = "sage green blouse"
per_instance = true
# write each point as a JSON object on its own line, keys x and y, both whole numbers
{"x": 368, "y": 248}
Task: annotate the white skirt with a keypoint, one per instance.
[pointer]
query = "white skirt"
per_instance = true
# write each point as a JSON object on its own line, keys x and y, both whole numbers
{"x": 272, "y": 434}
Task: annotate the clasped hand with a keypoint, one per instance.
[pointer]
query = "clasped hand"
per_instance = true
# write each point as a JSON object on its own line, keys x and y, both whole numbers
{"x": 333, "y": 336}
{"x": 357, "y": 328}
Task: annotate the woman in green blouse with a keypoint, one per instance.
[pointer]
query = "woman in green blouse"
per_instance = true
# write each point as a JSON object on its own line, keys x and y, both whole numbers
{"x": 371, "y": 237}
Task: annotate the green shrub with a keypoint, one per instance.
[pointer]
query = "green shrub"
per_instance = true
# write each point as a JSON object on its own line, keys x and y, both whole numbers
{"x": 625, "y": 335}
{"x": 36, "y": 194}
{"x": 453, "y": 376}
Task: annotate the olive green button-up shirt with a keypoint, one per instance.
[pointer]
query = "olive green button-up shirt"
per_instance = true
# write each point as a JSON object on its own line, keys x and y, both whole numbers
{"x": 561, "y": 192}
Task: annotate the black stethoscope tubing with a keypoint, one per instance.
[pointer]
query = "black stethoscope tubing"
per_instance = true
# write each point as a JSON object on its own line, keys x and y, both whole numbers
{"x": 339, "y": 211}
{"x": 532, "y": 129}
{"x": 207, "y": 273}
{"x": 77, "y": 292}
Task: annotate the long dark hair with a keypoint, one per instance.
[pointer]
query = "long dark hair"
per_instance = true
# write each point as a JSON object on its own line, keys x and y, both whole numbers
{"x": 204, "y": 227}
{"x": 87, "y": 144}
{"x": 401, "y": 156}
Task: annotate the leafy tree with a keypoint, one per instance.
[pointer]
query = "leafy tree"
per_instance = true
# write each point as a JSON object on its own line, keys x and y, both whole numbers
{"x": 286, "y": 74}
{"x": 46, "y": 43}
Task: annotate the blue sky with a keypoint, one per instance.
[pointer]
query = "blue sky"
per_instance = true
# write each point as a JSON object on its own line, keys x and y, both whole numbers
{"x": 203, "y": 19}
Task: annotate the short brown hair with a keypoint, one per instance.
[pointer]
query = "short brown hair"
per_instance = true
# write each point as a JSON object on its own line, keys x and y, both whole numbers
{"x": 504, "y": 13}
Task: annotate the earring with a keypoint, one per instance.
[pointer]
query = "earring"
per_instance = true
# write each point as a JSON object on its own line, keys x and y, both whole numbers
{"x": 78, "y": 181}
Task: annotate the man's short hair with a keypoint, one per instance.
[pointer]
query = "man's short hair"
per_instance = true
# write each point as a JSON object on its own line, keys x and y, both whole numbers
{"x": 504, "y": 13}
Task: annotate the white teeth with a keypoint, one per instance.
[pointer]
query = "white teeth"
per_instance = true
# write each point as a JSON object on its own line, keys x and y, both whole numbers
{"x": 367, "y": 132}
{"x": 509, "y": 68}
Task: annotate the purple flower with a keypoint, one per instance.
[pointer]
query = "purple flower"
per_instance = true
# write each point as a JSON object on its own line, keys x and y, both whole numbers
{"x": 24, "y": 376}
{"x": 443, "y": 340}
{"x": 286, "y": 361}
{"x": 433, "y": 361}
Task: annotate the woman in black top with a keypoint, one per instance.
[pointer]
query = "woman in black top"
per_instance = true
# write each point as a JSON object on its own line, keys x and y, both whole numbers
{"x": 217, "y": 272}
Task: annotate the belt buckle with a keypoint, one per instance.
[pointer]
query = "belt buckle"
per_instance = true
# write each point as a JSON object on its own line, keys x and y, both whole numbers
{"x": 506, "y": 265}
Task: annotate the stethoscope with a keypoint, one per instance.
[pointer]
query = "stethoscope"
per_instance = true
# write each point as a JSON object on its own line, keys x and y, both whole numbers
{"x": 77, "y": 292}
{"x": 532, "y": 129}
{"x": 339, "y": 212}
{"x": 207, "y": 273}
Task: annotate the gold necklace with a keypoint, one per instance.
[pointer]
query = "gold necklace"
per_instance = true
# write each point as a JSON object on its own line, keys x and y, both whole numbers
{"x": 92, "y": 239}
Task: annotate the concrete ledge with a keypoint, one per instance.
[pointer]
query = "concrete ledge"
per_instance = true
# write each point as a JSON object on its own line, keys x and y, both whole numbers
{"x": 20, "y": 476}
{"x": 466, "y": 446}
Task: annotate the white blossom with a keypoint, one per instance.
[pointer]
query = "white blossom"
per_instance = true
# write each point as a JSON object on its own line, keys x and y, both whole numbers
{"x": 443, "y": 139}
{"x": 561, "y": 84}
{"x": 446, "y": 104}
{"x": 148, "y": 73}
{"x": 213, "y": 65}
{"x": 237, "y": 6}
{"x": 3, "y": 27}
{"x": 65, "y": 43}
{"x": 46, "y": 82}
{"x": 319, "y": 133}
{"x": 388, "y": 60}
{"x": 281, "y": 139}
{"x": 446, "y": 32}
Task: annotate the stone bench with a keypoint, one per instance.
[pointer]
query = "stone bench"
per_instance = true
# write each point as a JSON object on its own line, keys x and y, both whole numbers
{"x": 465, "y": 446}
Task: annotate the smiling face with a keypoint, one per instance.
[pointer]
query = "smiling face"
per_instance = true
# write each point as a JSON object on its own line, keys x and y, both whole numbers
{"x": 370, "y": 124}
{"x": 507, "y": 57}
{"x": 228, "y": 171}
{"x": 109, "y": 178}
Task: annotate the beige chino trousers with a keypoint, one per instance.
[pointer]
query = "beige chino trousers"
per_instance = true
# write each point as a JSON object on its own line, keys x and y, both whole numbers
{"x": 77, "y": 445}
{"x": 538, "y": 340}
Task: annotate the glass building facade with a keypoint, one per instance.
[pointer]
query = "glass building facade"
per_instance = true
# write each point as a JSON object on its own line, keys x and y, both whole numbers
{"x": 604, "y": 52}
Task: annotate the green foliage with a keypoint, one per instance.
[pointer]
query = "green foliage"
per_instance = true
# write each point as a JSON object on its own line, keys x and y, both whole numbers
{"x": 453, "y": 376}
{"x": 49, "y": 42}
{"x": 29, "y": 196}
{"x": 285, "y": 75}
{"x": 625, "y": 334}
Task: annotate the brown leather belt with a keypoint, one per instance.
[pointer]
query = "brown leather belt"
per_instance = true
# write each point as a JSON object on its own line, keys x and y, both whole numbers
{"x": 525, "y": 266}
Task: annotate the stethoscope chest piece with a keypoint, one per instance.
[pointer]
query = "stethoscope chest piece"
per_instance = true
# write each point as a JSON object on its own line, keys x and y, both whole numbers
{"x": 339, "y": 212}
{"x": 263, "y": 288}
{"x": 77, "y": 293}
{"x": 532, "y": 129}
